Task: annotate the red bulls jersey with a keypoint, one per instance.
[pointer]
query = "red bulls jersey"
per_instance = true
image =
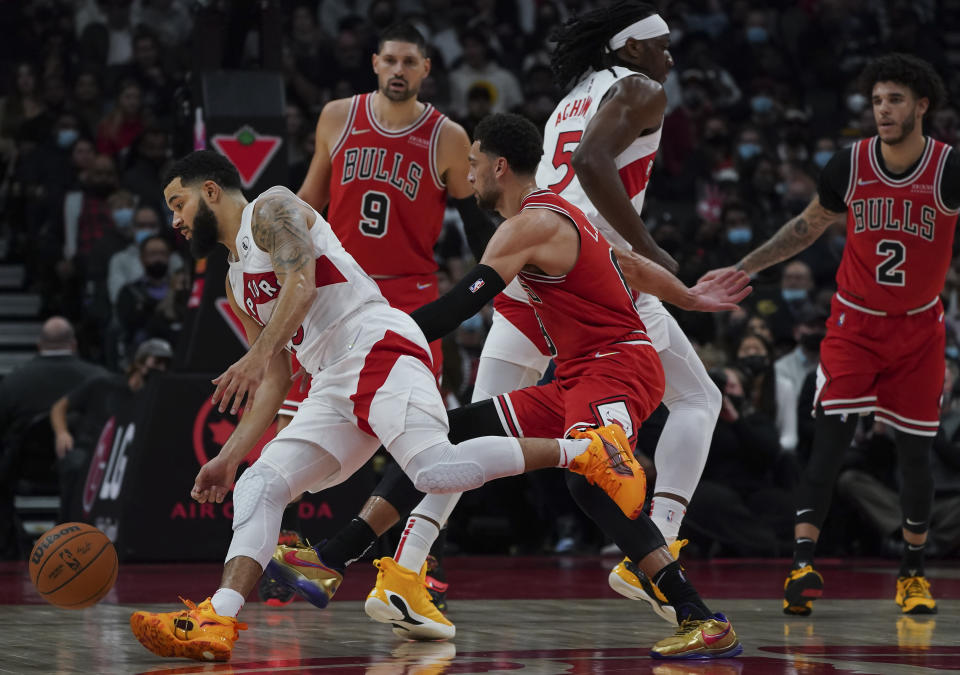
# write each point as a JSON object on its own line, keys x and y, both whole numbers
{"x": 899, "y": 233}
{"x": 386, "y": 196}
{"x": 590, "y": 308}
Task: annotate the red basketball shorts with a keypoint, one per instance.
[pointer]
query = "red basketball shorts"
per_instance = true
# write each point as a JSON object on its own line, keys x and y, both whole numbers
{"x": 892, "y": 366}
{"x": 622, "y": 384}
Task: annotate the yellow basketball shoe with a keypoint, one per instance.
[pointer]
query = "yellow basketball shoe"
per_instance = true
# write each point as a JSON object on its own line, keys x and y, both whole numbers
{"x": 400, "y": 598}
{"x": 914, "y": 597}
{"x": 711, "y": 638}
{"x": 195, "y": 633}
{"x": 609, "y": 463}
{"x": 801, "y": 588}
{"x": 629, "y": 581}
{"x": 300, "y": 568}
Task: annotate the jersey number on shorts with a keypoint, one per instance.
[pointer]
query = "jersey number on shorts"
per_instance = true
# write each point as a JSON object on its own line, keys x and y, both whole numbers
{"x": 895, "y": 253}
{"x": 375, "y": 208}
{"x": 562, "y": 157}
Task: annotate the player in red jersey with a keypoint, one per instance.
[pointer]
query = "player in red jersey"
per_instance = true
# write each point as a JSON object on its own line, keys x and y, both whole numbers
{"x": 899, "y": 194}
{"x": 384, "y": 164}
{"x": 607, "y": 369}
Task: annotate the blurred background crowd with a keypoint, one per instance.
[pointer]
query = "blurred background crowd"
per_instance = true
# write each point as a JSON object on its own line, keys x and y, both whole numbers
{"x": 97, "y": 99}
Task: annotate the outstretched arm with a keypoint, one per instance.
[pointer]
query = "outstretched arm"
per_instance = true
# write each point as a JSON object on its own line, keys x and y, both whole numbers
{"x": 722, "y": 293}
{"x": 280, "y": 228}
{"x": 798, "y": 233}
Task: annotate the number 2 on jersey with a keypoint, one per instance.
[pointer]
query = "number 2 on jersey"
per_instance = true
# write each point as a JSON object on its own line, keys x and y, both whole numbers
{"x": 374, "y": 209}
{"x": 895, "y": 253}
{"x": 562, "y": 158}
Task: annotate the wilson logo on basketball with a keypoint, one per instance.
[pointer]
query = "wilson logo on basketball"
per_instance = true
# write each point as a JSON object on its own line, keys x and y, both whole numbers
{"x": 42, "y": 546}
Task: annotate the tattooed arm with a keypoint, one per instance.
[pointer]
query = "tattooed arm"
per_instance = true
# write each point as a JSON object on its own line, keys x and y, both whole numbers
{"x": 281, "y": 228}
{"x": 796, "y": 235}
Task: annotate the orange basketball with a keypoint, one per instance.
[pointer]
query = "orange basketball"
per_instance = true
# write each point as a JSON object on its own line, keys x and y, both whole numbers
{"x": 73, "y": 565}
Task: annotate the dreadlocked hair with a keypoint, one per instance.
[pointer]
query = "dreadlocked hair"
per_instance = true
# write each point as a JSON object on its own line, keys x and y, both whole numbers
{"x": 582, "y": 40}
{"x": 908, "y": 70}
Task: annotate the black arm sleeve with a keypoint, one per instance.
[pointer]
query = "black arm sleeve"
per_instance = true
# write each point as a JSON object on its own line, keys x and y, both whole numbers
{"x": 950, "y": 181}
{"x": 834, "y": 180}
{"x": 477, "y": 226}
{"x": 471, "y": 293}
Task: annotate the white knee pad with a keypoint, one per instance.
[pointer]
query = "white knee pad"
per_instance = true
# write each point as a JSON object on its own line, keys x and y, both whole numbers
{"x": 441, "y": 469}
{"x": 259, "y": 498}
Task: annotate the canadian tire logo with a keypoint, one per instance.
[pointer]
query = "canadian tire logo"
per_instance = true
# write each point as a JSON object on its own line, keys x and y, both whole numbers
{"x": 211, "y": 429}
{"x": 249, "y": 151}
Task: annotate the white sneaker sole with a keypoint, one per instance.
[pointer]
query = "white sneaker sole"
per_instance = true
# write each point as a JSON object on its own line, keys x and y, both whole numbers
{"x": 665, "y": 612}
{"x": 423, "y": 629}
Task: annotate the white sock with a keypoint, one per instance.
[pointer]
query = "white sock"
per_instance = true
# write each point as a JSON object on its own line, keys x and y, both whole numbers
{"x": 227, "y": 602}
{"x": 667, "y": 514}
{"x": 570, "y": 448}
{"x": 415, "y": 542}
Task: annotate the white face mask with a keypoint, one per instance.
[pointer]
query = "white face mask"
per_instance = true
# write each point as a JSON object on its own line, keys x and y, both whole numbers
{"x": 856, "y": 103}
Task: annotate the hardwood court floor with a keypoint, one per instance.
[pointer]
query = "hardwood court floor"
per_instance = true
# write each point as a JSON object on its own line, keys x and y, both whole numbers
{"x": 542, "y": 616}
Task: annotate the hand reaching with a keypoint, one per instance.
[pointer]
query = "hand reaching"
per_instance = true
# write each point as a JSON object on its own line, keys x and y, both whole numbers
{"x": 214, "y": 481}
{"x": 720, "y": 290}
{"x": 239, "y": 380}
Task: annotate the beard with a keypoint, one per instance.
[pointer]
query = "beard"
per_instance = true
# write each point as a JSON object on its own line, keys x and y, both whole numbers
{"x": 488, "y": 201}
{"x": 204, "y": 236}
{"x": 906, "y": 128}
{"x": 403, "y": 95}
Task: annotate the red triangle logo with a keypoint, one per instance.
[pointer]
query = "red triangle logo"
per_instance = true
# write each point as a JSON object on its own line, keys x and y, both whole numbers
{"x": 233, "y": 321}
{"x": 249, "y": 151}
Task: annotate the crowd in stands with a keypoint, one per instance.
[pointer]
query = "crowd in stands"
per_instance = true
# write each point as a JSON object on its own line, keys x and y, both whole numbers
{"x": 96, "y": 101}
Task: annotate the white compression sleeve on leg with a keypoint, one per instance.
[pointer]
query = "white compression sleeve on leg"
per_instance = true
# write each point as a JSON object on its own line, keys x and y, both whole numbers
{"x": 446, "y": 468}
{"x": 496, "y": 376}
{"x": 694, "y": 404}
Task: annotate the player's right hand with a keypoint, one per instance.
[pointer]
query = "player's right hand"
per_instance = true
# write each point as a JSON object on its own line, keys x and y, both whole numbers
{"x": 214, "y": 480}
{"x": 721, "y": 293}
{"x": 64, "y": 443}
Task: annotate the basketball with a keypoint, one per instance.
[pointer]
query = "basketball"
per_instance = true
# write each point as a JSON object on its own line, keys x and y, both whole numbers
{"x": 73, "y": 565}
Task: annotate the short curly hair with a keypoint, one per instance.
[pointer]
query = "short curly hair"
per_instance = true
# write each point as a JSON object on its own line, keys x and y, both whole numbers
{"x": 513, "y": 137}
{"x": 908, "y": 70}
{"x": 203, "y": 165}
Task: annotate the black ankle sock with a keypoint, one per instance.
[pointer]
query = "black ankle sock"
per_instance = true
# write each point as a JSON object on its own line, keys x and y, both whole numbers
{"x": 348, "y": 544}
{"x": 912, "y": 565}
{"x": 803, "y": 549}
{"x": 291, "y": 518}
{"x": 680, "y": 593}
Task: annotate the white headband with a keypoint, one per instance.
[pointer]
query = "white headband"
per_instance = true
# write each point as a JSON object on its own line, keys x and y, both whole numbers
{"x": 644, "y": 29}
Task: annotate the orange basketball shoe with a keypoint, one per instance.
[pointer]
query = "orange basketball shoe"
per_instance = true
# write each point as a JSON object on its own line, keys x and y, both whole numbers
{"x": 609, "y": 463}
{"x": 195, "y": 633}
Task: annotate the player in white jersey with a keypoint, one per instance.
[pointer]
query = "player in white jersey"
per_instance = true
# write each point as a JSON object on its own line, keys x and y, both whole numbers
{"x": 599, "y": 147}
{"x": 294, "y": 286}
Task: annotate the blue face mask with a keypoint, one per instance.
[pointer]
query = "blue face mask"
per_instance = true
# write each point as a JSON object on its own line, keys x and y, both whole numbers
{"x": 739, "y": 235}
{"x": 141, "y": 236}
{"x": 748, "y": 150}
{"x": 821, "y": 157}
{"x": 67, "y": 137}
{"x": 953, "y": 352}
{"x": 122, "y": 218}
{"x": 756, "y": 34}
{"x": 761, "y": 104}
{"x": 793, "y": 294}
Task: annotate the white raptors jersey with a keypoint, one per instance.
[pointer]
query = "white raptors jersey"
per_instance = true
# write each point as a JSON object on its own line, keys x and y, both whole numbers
{"x": 343, "y": 288}
{"x": 561, "y": 136}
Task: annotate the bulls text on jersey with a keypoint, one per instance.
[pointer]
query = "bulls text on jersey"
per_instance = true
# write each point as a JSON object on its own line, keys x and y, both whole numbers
{"x": 372, "y": 164}
{"x": 879, "y": 213}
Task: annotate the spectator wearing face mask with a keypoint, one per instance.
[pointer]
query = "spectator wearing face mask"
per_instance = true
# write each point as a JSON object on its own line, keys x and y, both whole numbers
{"x": 796, "y": 294}
{"x": 137, "y": 302}
{"x": 769, "y": 394}
{"x": 803, "y": 359}
{"x": 92, "y": 405}
{"x": 136, "y": 226}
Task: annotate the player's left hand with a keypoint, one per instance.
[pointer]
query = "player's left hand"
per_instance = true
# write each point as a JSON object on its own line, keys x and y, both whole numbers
{"x": 214, "y": 480}
{"x": 721, "y": 292}
{"x": 239, "y": 380}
